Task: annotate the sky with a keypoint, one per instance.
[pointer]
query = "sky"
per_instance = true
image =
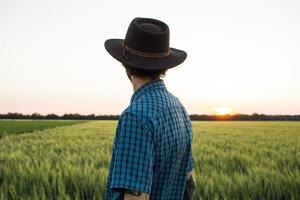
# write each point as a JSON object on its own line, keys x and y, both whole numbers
{"x": 242, "y": 55}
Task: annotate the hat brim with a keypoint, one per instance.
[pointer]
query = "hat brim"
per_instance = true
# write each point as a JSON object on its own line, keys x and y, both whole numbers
{"x": 114, "y": 48}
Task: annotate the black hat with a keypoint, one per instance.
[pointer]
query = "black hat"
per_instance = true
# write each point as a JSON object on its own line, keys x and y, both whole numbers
{"x": 146, "y": 46}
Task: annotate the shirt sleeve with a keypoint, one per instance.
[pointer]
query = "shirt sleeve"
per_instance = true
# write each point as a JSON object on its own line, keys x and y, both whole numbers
{"x": 134, "y": 158}
{"x": 190, "y": 160}
{"x": 190, "y": 151}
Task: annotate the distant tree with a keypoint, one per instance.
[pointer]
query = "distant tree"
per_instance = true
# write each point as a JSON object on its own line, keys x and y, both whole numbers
{"x": 52, "y": 116}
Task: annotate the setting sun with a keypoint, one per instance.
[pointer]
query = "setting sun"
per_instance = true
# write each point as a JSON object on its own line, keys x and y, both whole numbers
{"x": 222, "y": 110}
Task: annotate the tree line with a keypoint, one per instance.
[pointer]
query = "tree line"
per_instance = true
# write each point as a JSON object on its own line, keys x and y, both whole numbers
{"x": 193, "y": 117}
{"x": 70, "y": 116}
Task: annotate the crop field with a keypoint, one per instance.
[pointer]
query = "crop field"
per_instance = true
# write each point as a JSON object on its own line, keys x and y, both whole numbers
{"x": 233, "y": 160}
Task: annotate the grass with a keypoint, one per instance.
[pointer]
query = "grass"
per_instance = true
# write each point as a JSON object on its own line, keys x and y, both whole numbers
{"x": 21, "y": 126}
{"x": 233, "y": 160}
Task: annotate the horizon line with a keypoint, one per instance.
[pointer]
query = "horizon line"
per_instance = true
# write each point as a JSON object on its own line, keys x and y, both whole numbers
{"x": 75, "y": 113}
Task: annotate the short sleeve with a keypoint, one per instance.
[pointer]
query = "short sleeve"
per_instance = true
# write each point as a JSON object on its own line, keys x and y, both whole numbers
{"x": 134, "y": 156}
{"x": 190, "y": 160}
{"x": 190, "y": 152}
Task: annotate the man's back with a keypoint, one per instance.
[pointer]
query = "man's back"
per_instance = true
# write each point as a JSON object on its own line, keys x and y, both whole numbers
{"x": 152, "y": 149}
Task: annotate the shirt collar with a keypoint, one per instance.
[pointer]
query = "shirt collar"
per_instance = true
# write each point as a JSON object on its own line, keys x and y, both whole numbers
{"x": 152, "y": 85}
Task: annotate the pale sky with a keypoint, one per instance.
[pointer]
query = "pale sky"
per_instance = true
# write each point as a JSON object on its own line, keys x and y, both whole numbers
{"x": 244, "y": 55}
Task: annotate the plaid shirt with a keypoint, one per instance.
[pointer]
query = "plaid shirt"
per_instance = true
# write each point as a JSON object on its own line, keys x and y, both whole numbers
{"x": 152, "y": 150}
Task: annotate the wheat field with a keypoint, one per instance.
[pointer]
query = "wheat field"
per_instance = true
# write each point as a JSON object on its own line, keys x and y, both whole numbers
{"x": 233, "y": 160}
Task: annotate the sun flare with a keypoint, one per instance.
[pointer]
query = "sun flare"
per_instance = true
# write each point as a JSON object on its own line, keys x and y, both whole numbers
{"x": 222, "y": 110}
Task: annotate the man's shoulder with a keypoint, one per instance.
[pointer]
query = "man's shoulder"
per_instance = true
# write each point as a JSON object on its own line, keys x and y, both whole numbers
{"x": 131, "y": 114}
{"x": 136, "y": 110}
{"x": 151, "y": 104}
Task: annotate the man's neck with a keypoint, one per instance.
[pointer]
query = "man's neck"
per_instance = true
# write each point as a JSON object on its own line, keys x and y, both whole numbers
{"x": 138, "y": 82}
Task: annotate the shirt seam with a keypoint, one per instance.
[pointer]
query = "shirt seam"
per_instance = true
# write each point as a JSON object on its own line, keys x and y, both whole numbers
{"x": 138, "y": 118}
{"x": 162, "y": 110}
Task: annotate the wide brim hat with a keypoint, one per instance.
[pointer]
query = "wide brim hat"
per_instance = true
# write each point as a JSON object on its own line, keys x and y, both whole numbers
{"x": 146, "y": 46}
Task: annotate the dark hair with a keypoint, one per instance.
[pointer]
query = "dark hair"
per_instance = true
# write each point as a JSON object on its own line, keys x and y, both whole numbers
{"x": 141, "y": 73}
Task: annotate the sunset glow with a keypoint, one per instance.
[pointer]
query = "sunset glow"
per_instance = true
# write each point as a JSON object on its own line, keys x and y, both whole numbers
{"x": 222, "y": 110}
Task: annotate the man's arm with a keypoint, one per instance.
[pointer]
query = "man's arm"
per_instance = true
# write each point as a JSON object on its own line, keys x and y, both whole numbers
{"x": 135, "y": 195}
{"x": 190, "y": 185}
{"x": 138, "y": 169}
{"x": 189, "y": 174}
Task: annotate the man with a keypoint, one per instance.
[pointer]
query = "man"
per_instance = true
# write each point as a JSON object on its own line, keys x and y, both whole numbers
{"x": 152, "y": 150}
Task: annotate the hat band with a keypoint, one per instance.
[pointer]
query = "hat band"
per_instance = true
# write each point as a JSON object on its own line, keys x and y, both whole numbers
{"x": 143, "y": 53}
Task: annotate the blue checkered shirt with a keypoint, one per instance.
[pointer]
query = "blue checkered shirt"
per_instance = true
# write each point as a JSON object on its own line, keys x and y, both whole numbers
{"x": 152, "y": 150}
